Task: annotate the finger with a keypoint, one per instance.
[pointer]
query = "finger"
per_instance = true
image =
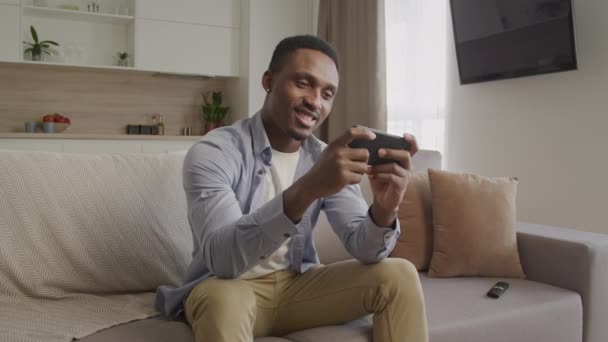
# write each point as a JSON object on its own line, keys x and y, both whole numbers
{"x": 403, "y": 157}
{"x": 356, "y": 132}
{"x": 393, "y": 168}
{"x": 357, "y": 154}
{"x": 354, "y": 178}
{"x": 388, "y": 178}
{"x": 358, "y": 167}
{"x": 413, "y": 143}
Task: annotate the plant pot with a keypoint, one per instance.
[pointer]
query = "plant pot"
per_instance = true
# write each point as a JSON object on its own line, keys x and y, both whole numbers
{"x": 36, "y": 56}
{"x": 211, "y": 126}
{"x": 123, "y": 62}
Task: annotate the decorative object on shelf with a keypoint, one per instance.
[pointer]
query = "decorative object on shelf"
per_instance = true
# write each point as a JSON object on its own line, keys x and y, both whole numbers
{"x": 93, "y": 6}
{"x": 70, "y": 5}
{"x": 122, "y": 59}
{"x": 187, "y": 131}
{"x": 158, "y": 121}
{"x": 30, "y": 126}
{"x": 213, "y": 112}
{"x": 37, "y": 48}
{"x": 55, "y": 123}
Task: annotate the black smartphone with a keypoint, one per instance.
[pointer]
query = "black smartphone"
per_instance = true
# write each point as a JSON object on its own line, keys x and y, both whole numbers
{"x": 383, "y": 140}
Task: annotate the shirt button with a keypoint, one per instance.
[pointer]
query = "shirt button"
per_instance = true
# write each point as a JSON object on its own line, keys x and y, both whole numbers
{"x": 261, "y": 172}
{"x": 286, "y": 235}
{"x": 263, "y": 257}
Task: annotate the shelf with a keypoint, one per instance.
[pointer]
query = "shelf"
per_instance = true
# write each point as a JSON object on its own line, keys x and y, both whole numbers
{"x": 56, "y": 13}
{"x": 99, "y": 136}
{"x": 103, "y": 67}
{"x": 56, "y": 66}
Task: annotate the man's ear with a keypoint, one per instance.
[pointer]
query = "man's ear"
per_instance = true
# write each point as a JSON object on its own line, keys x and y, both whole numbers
{"x": 267, "y": 81}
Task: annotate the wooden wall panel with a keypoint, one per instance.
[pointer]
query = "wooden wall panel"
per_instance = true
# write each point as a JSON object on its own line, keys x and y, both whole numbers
{"x": 100, "y": 101}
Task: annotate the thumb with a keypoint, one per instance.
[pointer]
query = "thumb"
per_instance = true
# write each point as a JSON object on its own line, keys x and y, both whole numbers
{"x": 355, "y": 132}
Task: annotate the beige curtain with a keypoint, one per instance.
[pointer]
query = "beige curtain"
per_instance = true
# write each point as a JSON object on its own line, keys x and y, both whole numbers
{"x": 356, "y": 29}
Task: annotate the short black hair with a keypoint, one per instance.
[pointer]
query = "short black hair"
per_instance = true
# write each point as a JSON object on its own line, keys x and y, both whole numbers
{"x": 290, "y": 44}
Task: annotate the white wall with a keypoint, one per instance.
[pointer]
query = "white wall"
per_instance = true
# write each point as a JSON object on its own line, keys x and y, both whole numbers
{"x": 264, "y": 24}
{"x": 551, "y": 131}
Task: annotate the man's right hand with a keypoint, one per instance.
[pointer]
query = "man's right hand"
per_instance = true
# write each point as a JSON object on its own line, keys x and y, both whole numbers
{"x": 339, "y": 165}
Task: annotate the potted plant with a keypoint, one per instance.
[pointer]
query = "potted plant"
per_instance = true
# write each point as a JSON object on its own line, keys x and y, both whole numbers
{"x": 122, "y": 58}
{"x": 39, "y": 47}
{"x": 213, "y": 111}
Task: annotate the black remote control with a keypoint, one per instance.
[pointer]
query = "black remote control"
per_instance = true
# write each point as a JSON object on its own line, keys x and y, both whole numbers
{"x": 497, "y": 290}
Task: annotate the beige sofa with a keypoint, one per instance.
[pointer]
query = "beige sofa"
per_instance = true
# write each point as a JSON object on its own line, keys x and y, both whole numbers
{"x": 563, "y": 298}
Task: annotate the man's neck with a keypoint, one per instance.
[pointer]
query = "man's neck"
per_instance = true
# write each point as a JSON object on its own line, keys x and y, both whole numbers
{"x": 278, "y": 139}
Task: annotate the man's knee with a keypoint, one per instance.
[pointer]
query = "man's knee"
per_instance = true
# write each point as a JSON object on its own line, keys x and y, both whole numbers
{"x": 220, "y": 297}
{"x": 398, "y": 273}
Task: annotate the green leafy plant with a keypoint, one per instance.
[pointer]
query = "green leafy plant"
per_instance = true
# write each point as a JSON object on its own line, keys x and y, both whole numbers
{"x": 122, "y": 55}
{"x": 212, "y": 107}
{"x": 39, "y": 47}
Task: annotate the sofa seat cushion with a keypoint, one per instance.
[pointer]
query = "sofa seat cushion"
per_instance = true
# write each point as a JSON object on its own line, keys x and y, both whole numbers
{"x": 459, "y": 311}
{"x": 153, "y": 330}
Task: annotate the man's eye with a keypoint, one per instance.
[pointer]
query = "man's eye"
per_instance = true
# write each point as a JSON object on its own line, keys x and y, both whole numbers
{"x": 328, "y": 95}
{"x": 302, "y": 84}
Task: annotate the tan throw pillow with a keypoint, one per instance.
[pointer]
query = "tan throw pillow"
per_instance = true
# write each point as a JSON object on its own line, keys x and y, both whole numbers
{"x": 415, "y": 217}
{"x": 474, "y": 226}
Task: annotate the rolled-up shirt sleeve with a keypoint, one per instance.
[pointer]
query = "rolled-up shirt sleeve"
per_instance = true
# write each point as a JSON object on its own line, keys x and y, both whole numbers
{"x": 348, "y": 214}
{"x": 227, "y": 241}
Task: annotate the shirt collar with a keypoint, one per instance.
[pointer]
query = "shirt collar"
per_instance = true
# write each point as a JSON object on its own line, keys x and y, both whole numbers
{"x": 261, "y": 144}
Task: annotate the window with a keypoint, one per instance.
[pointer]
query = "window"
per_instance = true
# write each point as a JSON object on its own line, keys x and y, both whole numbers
{"x": 416, "y": 69}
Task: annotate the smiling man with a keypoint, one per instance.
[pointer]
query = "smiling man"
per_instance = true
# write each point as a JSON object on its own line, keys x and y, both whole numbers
{"x": 254, "y": 192}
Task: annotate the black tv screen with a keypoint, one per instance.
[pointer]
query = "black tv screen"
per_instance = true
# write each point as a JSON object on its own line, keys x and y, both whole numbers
{"x": 497, "y": 39}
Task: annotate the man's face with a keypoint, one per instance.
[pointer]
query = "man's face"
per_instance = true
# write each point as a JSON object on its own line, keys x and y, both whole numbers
{"x": 301, "y": 93}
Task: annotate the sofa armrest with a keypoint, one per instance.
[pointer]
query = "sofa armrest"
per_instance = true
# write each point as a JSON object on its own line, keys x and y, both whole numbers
{"x": 573, "y": 260}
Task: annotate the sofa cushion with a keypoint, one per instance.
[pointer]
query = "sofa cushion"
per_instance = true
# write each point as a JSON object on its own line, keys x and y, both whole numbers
{"x": 458, "y": 311}
{"x": 474, "y": 226}
{"x": 153, "y": 330}
{"x": 86, "y": 240}
{"x": 416, "y": 218}
{"x": 356, "y": 331}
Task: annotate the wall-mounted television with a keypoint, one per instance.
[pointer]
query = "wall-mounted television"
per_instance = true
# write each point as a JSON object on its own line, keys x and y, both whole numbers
{"x": 497, "y": 39}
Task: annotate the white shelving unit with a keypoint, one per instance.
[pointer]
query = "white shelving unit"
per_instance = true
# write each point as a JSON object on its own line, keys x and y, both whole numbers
{"x": 63, "y": 14}
{"x": 86, "y": 38}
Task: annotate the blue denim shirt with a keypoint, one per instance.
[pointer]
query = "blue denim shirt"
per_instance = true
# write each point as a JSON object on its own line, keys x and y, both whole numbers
{"x": 233, "y": 230}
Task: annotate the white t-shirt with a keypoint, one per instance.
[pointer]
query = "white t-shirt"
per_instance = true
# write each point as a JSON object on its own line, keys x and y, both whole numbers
{"x": 280, "y": 177}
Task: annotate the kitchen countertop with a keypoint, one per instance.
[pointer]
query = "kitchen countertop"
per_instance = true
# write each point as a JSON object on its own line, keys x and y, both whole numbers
{"x": 99, "y": 136}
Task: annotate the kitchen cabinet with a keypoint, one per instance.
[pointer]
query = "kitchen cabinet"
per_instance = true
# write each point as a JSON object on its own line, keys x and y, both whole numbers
{"x": 10, "y": 19}
{"x": 187, "y": 48}
{"x": 188, "y": 36}
{"x": 224, "y": 13}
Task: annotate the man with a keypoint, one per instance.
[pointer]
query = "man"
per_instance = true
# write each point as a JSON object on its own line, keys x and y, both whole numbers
{"x": 254, "y": 193}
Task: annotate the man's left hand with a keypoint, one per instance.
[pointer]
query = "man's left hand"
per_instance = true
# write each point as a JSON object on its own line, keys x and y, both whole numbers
{"x": 389, "y": 181}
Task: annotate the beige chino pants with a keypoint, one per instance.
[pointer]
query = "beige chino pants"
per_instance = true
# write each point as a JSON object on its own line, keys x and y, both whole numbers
{"x": 236, "y": 310}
